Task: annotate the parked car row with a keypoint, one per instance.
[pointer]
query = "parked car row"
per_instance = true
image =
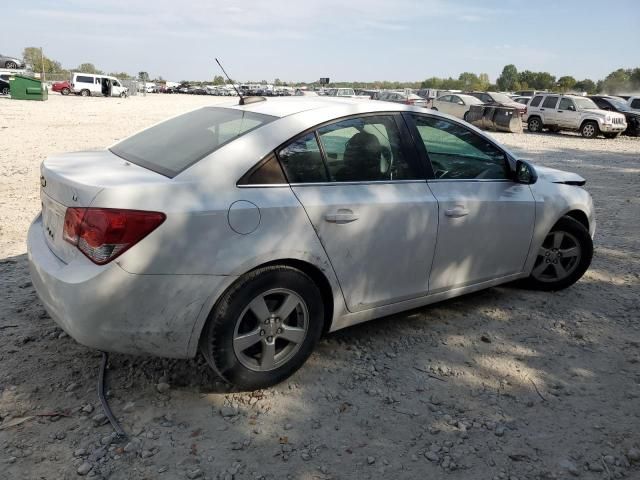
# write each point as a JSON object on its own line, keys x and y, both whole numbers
{"x": 12, "y": 63}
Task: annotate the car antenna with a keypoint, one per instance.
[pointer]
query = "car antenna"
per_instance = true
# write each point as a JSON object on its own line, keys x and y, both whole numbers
{"x": 242, "y": 99}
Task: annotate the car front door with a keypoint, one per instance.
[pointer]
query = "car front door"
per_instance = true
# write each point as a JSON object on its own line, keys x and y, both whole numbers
{"x": 486, "y": 220}
{"x": 364, "y": 190}
{"x": 568, "y": 117}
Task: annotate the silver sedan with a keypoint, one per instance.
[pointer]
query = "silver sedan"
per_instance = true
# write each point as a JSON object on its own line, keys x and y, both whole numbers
{"x": 246, "y": 231}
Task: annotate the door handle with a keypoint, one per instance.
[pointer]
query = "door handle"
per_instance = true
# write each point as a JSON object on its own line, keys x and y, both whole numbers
{"x": 456, "y": 212}
{"x": 341, "y": 216}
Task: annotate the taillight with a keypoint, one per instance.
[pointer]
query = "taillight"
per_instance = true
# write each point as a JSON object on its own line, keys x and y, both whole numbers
{"x": 103, "y": 234}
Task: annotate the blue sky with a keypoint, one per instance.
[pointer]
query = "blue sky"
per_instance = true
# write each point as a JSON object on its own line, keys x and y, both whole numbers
{"x": 345, "y": 40}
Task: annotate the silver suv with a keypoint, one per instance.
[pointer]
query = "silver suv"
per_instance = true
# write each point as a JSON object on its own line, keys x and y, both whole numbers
{"x": 571, "y": 112}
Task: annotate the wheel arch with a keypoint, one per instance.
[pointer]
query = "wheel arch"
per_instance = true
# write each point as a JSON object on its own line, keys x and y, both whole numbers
{"x": 327, "y": 291}
{"x": 579, "y": 216}
{"x": 589, "y": 120}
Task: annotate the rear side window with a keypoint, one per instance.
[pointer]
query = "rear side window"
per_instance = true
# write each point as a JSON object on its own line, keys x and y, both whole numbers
{"x": 178, "y": 143}
{"x": 83, "y": 79}
{"x": 302, "y": 161}
{"x": 536, "y": 101}
{"x": 550, "y": 102}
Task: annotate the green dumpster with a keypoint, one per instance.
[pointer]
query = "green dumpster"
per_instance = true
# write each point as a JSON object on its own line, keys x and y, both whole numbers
{"x": 27, "y": 88}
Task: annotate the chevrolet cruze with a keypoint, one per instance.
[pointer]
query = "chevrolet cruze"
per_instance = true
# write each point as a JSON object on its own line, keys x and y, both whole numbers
{"x": 246, "y": 231}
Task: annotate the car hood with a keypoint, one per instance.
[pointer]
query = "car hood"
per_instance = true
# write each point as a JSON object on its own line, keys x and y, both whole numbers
{"x": 602, "y": 113}
{"x": 559, "y": 176}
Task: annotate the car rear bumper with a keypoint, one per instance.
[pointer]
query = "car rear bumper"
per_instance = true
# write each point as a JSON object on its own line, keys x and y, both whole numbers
{"x": 107, "y": 308}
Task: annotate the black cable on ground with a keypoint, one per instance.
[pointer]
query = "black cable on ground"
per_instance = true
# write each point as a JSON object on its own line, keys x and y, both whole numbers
{"x": 120, "y": 435}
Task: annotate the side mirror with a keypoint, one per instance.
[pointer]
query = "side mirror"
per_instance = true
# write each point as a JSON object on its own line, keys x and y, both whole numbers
{"x": 572, "y": 108}
{"x": 525, "y": 173}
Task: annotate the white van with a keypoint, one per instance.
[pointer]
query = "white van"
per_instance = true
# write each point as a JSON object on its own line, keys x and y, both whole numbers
{"x": 88, "y": 84}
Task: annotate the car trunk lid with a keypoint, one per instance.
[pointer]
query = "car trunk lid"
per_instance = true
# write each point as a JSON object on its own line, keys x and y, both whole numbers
{"x": 74, "y": 180}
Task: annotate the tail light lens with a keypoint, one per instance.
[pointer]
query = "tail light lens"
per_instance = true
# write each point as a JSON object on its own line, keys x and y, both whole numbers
{"x": 103, "y": 234}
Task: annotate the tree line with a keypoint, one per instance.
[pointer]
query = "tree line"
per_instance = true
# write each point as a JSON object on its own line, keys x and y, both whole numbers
{"x": 619, "y": 81}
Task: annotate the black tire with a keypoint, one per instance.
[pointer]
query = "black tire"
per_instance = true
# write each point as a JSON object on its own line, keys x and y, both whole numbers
{"x": 572, "y": 230}
{"x": 589, "y": 129}
{"x": 85, "y": 93}
{"x": 5, "y": 91}
{"x": 534, "y": 124}
{"x": 11, "y": 64}
{"x": 65, "y": 91}
{"x": 217, "y": 339}
{"x": 611, "y": 135}
{"x": 465, "y": 116}
{"x": 434, "y": 109}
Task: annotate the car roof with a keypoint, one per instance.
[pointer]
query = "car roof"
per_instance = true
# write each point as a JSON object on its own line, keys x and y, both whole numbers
{"x": 285, "y": 106}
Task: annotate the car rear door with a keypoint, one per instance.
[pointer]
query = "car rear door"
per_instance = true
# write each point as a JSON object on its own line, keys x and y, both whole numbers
{"x": 548, "y": 109}
{"x": 361, "y": 183}
{"x": 485, "y": 220}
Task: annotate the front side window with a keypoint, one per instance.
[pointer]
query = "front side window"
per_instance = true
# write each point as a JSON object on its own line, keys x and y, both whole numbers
{"x": 172, "y": 146}
{"x": 550, "y": 102}
{"x": 635, "y": 103}
{"x": 566, "y": 104}
{"x": 446, "y": 98}
{"x": 365, "y": 149}
{"x": 457, "y": 153}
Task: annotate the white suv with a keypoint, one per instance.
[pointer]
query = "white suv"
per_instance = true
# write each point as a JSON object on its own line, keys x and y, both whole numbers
{"x": 571, "y": 112}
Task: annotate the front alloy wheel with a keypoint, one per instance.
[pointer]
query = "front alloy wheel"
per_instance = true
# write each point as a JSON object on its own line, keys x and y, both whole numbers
{"x": 558, "y": 257}
{"x": 563, "y": 257}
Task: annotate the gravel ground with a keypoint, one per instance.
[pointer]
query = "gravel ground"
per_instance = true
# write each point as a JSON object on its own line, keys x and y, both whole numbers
{"x": 505, "y": 383}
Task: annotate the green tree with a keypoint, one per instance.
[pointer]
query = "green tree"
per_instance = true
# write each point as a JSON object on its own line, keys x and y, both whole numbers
{"x": 88, "y": 68}
{"x": 586, "y": 85}
{"x": 121, "y": 75}
{"x": 566, "y": 83}
{"x": 617, "y": 82}
{"x": 508, "y": 78}
{"x": 469, "y": 80}
{"x": 544, "y": 81}
{"x": 33, "y": 56}
{"x": 277, "y": 82}
{"x": 483, "y": 82}
{"x": 218, "y": 80}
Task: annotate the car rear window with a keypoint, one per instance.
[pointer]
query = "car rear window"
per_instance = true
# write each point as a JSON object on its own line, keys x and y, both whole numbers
{"x": 172, "y": 146}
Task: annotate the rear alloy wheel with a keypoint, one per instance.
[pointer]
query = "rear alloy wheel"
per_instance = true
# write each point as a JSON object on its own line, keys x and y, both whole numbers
{"x": 563, "y": 257}
{"x": 85, "y": 93}
{"x": 65, "y": 91}
{"x": 11, "y": 65}
{"x": 264, "y": 327}
{"x": 534, "y": 125}
{"x": 611, "y": 135}
{"x": 5, "y": 91}
{"x": 590, "y": 130}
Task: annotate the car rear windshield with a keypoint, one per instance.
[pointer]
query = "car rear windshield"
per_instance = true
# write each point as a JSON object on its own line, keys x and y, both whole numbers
{"x": 172, "y": 146}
